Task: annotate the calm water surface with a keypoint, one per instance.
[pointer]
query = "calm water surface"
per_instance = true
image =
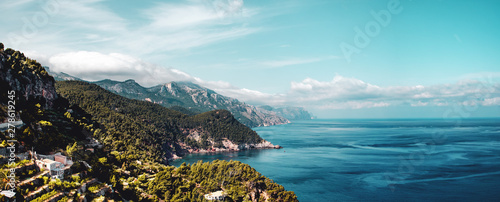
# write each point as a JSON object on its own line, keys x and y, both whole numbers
{"x": 380, "y": 160}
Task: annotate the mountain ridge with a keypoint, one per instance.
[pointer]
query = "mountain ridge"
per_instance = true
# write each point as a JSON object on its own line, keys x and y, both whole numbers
{"x": 125, "y": 136}
{"x": 165, "y": 130}
{"x": 195, "y": 98}
{"x": 191, "y": 99}
{"x": 290, "y": 113}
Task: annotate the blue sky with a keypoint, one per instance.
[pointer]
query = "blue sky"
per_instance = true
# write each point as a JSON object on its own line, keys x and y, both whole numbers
{"x": 409, "y": 58}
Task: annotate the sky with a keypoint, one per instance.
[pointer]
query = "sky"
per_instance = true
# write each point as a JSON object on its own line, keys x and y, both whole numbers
{"x": 335, "y": 58}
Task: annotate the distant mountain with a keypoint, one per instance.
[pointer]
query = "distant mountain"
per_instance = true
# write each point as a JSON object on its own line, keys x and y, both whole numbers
{"x": 290, "y": 113}
{"x": 61, "y": 76}
{"x": 156, "y": 129}
{"x": 190, "y": 97}
{"x": 133, "y": 139}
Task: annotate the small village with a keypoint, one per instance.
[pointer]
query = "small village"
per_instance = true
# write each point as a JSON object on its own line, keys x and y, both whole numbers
{"x": 52, "y": 178}
{"x": 59, "y": 143}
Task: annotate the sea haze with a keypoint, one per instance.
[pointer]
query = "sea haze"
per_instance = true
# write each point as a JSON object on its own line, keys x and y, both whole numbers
{"x": 380, "y": 160}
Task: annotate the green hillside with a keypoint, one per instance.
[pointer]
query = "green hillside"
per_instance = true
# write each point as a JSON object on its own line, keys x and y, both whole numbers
{"x": 137, "y": 137}
{"x": 149, "y": 130}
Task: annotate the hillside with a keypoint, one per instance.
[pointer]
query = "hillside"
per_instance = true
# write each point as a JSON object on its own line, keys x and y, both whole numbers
{"x": 136, "y": 135}
{"x": 156, "y": 130}
{"x": 33, "y": 101}
{"x": 193, "y": 98}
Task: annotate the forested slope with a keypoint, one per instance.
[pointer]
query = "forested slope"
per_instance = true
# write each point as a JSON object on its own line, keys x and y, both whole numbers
{"x": 136, "y": 136}
{"x": 148, "y": 130}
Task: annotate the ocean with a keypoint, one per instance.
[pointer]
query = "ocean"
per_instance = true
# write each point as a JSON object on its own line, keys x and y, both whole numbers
{"x": 379, "y": 160}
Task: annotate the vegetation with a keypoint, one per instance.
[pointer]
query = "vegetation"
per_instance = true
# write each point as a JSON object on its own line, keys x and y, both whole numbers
{"x": 45, "y": 196}
{"x": 20, "y": 63}
{"x": 143, "y": 130}
{"x": 190, "y": 99}
{"x": 22, "y": 69}
{"x": 136, "y": 136}
{"x": 238, "y": 180}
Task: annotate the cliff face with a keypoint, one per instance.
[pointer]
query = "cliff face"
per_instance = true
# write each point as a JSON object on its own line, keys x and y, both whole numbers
{"x": 195, "y": 98}
{"x": 27, "y": 77}
{"x": 290, "y": 113}
{"x": 153, "y": 129}
{"x": 203, "y": 137}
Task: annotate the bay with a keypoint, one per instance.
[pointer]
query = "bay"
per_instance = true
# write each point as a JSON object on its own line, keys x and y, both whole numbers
{"x": 379, "y": 160}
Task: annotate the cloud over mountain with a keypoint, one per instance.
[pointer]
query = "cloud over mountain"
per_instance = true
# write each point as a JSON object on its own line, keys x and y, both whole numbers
{"x": 95, "y": 66}
{"x": 339, "y": 93}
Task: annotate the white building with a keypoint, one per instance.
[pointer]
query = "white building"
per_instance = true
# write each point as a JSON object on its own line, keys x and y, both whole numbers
{"x": 57, "y": 165}
{"x": 8, "y": 194}
{"x": 56, "y": 169}
{"x": 218, "y": 195}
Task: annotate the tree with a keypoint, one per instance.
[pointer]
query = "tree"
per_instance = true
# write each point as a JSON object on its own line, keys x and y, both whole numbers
{"x": 103, "y": 160}
{"x": 72, "y": 149}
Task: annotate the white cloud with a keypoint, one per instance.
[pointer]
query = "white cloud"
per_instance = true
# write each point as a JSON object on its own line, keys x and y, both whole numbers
{"x": 353, "y": 93}
{"x": 165, "y": 15}
{"x": 491, "y": 101}
{"x": 170, "y": 28}
{"x": 14, "y": 4}
{"x": 353, "y": 105}
{"x": 195, "y": 13}
{"x": 419, "y": 104}
{"x": 339, "y": 88}
{"x": 182, "y": 26}
{"x": 339, "y": 93}
{"x": 242, "y": 94}
{"x": 163, "y": 28}
{"x": 95, "y": 66}
{"x": 253, "y": 96}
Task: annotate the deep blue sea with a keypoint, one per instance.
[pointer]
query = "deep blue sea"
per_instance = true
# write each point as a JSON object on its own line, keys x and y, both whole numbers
{"x": 380, "y": 160}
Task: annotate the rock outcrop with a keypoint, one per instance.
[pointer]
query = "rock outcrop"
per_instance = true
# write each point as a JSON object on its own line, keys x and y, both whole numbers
{"x": 194, "y": 98}
{"x": 27, "y": 78}
{"x": 198, "y": 135}
{"x": 290, "y": 113}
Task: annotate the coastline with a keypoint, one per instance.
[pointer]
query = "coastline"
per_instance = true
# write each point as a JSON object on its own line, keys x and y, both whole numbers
{"x": 229, "y": 147}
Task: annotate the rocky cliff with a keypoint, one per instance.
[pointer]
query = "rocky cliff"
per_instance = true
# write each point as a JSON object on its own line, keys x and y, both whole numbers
{"x": 290, "y": 113}
{"x": 151, "y": 128}
{"x": 27, "y": 78}
{"x": 194, "y": 98}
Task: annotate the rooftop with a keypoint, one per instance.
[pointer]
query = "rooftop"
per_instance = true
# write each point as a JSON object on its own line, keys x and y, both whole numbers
{"x": 48, "y": 161}
{"x": 8, "y": 194}
{"x": 217, "y": 193}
